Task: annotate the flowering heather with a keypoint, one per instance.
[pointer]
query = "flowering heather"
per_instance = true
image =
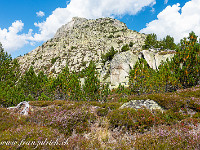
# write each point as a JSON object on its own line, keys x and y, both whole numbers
{"x": 95, "y": 125}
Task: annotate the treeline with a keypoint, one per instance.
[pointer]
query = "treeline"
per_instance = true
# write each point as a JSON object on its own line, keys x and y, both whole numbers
{"x": 182, "y": 71}
{"x": 15, "y": 88}
{"x": 165, "y": 43}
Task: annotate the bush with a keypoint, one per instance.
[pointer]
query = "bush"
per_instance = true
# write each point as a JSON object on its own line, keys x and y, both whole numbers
{"x": 151, "y": 41}
{"x": 111, "y": 36}
{"x": 131, "y": 119}
{"x": 43, "y": 97}
{"x": 53, "y": 60}
{"x": 125, "y": 48}
{"x": 168, "y": 43}
{"x": 91, "y": 87}
{"x": 131, "y": 44}
{"x": 109, "y": 55}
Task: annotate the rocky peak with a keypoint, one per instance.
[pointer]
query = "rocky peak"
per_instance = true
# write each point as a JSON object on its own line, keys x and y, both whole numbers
{"x": 74, "y": 23}
{"x": 100, "y": 24}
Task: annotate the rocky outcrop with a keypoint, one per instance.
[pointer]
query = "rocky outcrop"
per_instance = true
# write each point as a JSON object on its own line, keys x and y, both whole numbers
{"x": 120, "y": 68}
{"x": 122, "y": 63}
{"x": 154, "y": 57}
{"x": 139, "y": 104}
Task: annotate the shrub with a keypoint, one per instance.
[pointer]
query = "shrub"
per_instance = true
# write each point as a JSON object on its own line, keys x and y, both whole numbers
{"x": 111, "y": 36}
{"x": 109, "y": 55}
{"x": 73, "y": 47}
{"x": 131, "y": 119}
{"x": 168, "y": 43}
{"x": 143, "y": 79}
{"x": 186, "y": 63}
{"x": 151, "y": 41}
{"x": 91, "y": 87}
{"x": 53, "y": 60}
{"x": 125, "y": 48}
{"x": 66, "y": 86}
{"x": 43, "y": 97}
{"x": 131, "y": 44}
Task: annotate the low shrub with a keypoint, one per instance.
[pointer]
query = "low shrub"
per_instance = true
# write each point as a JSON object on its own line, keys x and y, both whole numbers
{"x": 109, "y": 55}
{"x": 125, "y": 48}
{"x": 131, "y": 119}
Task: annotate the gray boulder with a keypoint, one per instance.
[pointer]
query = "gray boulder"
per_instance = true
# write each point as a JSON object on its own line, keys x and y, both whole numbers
{"x": 138, "y": 104}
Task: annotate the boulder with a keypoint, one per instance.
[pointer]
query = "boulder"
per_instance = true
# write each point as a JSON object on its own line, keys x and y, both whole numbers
{"x": 22, "y": 108}
{"x": 138, "y": 104}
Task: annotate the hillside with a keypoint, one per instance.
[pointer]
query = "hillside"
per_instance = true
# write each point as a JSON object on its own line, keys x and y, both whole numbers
{"x": 81, "y": 40}
{"x": 78, "y": 42}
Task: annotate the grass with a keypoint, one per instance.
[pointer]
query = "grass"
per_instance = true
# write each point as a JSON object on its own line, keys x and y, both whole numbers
{"x": 95, "y": 125}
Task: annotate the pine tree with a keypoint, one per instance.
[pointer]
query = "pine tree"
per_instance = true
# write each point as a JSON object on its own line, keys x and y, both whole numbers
{"x": 186, "y": 62}
{"x": 91, "y": 87}
{"x": 29, "y": 83}
{"x": 11, "y": 94}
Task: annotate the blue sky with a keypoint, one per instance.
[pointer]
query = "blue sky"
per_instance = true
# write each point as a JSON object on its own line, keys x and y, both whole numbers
{"x": 26, "y": 24}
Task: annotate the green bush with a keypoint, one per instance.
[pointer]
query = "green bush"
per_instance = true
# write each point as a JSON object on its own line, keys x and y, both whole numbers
{"x": 109, "y": 55}
{"x": 111, "y": 36}
{"x": 143, "y": 79}
{"x": 43, "y": 97}
{"x": 91, "y": 87}
{"x": 131, "y": 119}
{"x": 125, "y": 48}
{"x": 53, "y": 60}
{"x": 168, "y": 43}
{"x": 131, "y": 44}
{"x": 151, "y": 41}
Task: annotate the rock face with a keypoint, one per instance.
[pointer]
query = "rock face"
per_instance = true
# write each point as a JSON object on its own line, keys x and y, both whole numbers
{"x": 81, "y": 40}
{"x": 120, "y": 68}
{"x": 122, "y": 63}
{"x": 154, "y": 57}
{"x": 138, "y": 104}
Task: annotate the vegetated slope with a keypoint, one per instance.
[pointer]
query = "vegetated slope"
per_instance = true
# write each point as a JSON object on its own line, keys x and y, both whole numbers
{"x": 78, "y": 42}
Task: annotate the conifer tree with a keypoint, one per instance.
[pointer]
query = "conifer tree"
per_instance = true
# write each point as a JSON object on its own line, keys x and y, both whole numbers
{"x": 186, "y": 62}
{"x": 11, "y": 94}
{"x": 91, "y": 87}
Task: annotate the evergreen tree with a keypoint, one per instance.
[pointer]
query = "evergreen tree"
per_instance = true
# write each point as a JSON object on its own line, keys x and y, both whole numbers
{"x": 29, "y": 83}
{"x": 11, "y": 94}
{"x": 168, "y": 43}
{"x": 91, "y": 87}
{"x": 186, "y": 62}
{"x": 151, "y": 41}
